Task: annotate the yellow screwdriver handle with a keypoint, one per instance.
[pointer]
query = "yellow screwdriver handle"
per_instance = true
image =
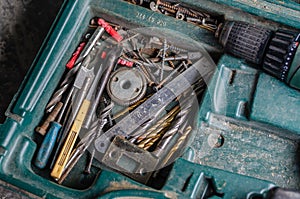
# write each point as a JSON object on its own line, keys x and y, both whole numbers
{"x": 70, "y": 141}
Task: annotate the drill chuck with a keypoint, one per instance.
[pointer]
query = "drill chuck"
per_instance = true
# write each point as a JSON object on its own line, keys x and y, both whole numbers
{"x": 245, "y": 40}
{"x": 277, "y": 53}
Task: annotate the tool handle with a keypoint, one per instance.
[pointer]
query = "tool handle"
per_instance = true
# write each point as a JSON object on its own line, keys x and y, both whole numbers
{"x": 43, "y": 129}
{"x": 70, "y": 141}
{"x": 47, "y": 145}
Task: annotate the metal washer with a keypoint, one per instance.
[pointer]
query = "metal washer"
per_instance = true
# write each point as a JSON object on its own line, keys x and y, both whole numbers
{"x": 126, "y": 86}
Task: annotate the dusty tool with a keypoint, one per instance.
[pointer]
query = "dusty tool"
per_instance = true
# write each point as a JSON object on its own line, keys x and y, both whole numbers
{"x": 70, "y": 140}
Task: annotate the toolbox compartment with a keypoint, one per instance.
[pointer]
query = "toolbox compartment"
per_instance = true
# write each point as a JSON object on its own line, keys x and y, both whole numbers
{"x": 260, "y": 145}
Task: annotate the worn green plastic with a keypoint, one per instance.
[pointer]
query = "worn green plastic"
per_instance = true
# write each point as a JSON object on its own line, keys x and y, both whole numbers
{"x": 254, "y": 115}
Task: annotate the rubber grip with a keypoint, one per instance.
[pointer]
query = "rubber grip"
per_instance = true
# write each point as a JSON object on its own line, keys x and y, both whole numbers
{"x": 47, "y": 145}
{"x": 245, "y": 40}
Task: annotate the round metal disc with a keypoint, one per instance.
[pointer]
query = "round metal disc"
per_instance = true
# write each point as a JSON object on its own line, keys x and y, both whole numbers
{"x": 126, "y": 86}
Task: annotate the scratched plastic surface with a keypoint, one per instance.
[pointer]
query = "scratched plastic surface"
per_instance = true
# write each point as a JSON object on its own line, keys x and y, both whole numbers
{"x": 259, "y": 148}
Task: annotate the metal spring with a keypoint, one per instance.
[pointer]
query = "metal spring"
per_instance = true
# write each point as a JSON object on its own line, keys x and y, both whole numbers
{"x": 176, "y": 49}
{"x": 163, "y": 5}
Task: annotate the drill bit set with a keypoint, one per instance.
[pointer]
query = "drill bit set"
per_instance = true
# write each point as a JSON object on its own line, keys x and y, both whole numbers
{"x": 128, "y": 98}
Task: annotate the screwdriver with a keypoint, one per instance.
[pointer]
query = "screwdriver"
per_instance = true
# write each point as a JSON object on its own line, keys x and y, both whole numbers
{"x": 48, "y": 142}
{"x": 53, "y": 134}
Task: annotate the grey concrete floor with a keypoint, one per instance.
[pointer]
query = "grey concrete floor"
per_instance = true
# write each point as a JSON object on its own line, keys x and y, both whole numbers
{"x": 23, "y": 27}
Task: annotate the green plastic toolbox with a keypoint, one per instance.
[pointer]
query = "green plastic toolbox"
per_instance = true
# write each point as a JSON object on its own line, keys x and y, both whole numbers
{"x": 244, "y": 138}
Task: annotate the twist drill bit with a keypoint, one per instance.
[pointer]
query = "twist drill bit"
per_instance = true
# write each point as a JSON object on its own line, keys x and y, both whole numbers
{"x": 147, "y": 124}
{"x": 155, "y": 135}
{"x": 140, "y": 133}
{"x": 160, "y": 130}
{"x": 157, "y": 129}
{"x": 139, "y": 137}
{"x": 86, "y": 141}
{"x": 130, "y": 108}
{"x": 180, "y": 120}
{"x": 69, "y": 78}
{"x": 178, "y": 146}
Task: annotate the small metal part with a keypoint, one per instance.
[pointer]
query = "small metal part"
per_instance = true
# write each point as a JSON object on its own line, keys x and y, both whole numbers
{"x": 185, "y": 56}
{"x": 43, "y": 128}
{"x": 148, "y": 75}
{"x": 163, "y": 61}
{"x": 169, "y": 77}
{"x": 129, "y": 159}
{"x": 180, "y": 15}
{"x": 177, "y": 49}
{"x": 126, "y": 86}
{"x": 88, "y": 167}
{"x": 153, "y": 6}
